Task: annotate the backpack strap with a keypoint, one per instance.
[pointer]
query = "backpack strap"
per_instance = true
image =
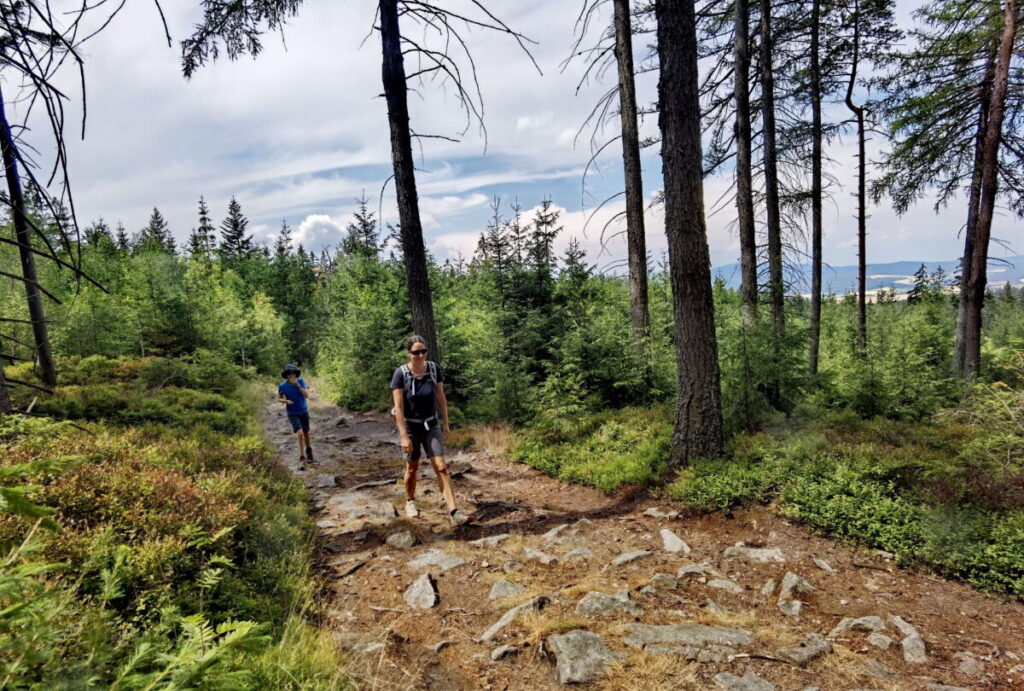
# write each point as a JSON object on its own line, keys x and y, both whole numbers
{"x": 432, "y": 368}
{"x": 407, "y": 380}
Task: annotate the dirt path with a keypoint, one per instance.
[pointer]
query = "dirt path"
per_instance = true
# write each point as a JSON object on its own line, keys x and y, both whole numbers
{"x": 702, "y": 616}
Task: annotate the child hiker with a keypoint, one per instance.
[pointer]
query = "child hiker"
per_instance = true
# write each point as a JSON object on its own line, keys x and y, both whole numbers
{"x": 294, "y": 392}
{"x": 421, "y": 411}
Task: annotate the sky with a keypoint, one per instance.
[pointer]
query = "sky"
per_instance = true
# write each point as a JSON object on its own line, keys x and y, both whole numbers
{"x": 300, "y": 132}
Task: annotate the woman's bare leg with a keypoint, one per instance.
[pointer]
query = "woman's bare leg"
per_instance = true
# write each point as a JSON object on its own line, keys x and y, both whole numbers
{"x": 441, "y": 470}
{"x": 302, "y": 446}
{"x": 411, "y": 472}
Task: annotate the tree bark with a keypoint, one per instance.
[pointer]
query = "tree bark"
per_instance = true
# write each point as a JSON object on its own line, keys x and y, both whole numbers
{"x": 816, "y": 136}
{"x": 776, "y": 288}
{"x": 744, "y": 183}
{"x": 974, "y": 295}
{"x": 698, "y": 414}
{"x": 973, "y": 199}
{"x": 6, "y": 407}
{"x": 413, "y": 252}
{"x": 858, "y": 112}
{"x": 635, "y": 240}
{"x": 22, "y": 231}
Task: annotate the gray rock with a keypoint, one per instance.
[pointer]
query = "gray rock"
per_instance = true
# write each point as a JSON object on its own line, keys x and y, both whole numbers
{"x": 403, "y": 539}
{"x": 791, "y": 608}
{"x": 383, "y": 511}
{"x": 601, "y": 603}
{"x": 629, "y": 556}
{"x": 764, "y": 555}
{"x": 726, "y": 585}
{"x": 969, "y": 664}
{"x": 688, "y": 652}
{"x": 490, "y": 541}
{"x": 504, "y": 588}
{"x": 664, "y": 580}
{"x": 879, "y": 640}
{"x": 531, "y": 605}
{"x": 438, "y": 647}
{"x": 715, "y": 654}
{"x": 672, "y": 543}
{"x": 713, "y": 607}
{"x": 871, "y": 623}
{"x": 878, "y": 670}
{"x": 578, "y": 553}
{"x": 503, "y": 651}
{"x": 791, "y": 583}
{"x": 748, "y": 682}
{"x": 913, "y": 644}
{"x": 325, "y": 523}
{"x": 768, "y": 588}
{"x": 823, "y": 565}
{"x": 324, "y": 480}
{"x": 649, "y": 590}
{"x": 422, "y": 593}
{"x": 511, "y": 566}
{"x": 811, "y": 648}
{"x": 942, "y": 687}
{"x": 703, "y": 569}
{"x": 539, "y": 556}
{"x": 552, "y": 535}
{"x": 640, "y": 635}
{"x": 436, "y": 557}
{"x": 581, "y": 656}
{"x": 655, "y": 512}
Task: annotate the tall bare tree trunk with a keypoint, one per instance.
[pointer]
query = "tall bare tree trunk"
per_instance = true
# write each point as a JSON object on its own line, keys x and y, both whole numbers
{"x": 6, "y": 407}
{"x": 413, "y": 252}
{"x": 635, "y": 240}
{"x": 815, "y": 337}
{"x": 973, "y": 199}
{"x": 698, "y": 412}
{"x": 973, "y": 296}
{"x": 776, "y": 288}
{"x": 858, "y": 112}
{"x": 744, "y": 184}
{"x": 22, "y": 231}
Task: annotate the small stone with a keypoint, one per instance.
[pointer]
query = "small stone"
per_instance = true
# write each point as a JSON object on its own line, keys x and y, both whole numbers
{"x": 325, "y": 480}
{"x": 531, "y": 605}
{"x": 879, "y": 640}
{"x": 768, "y": 588}
{"x": 404, "y": 539}
{"x": 877, "y": 670}
{"x": 326, "y": 523}
{"x": 715, "y": 654}
{"x": 913, "y": 644}
{"x": 726, "y": 585}
{"x": 438, "y": 647}
{"x": 422, "y": 593}
{"x": 552, "y": 535}
{"x": 436, "y": 557}
{"x": 655, "y": 512}
{"x": 539, "y": 556}
{"x": 942, "y": 687}
{"x": 702, "y": 569}
{"x": 648, "y": 590}
{"x": 871, "y": 623}
{"x": 511, "y": 566}
{"x": 713, "y": 607}
{"x": 764, "y": 555}
{"x": 629, "y": 557}
{"x": 581, "y": 656}
{"x": 823, "y": 565}
{"x": 699, "y": 635}
{"x": 503, "y": 651}
{"x": 969, "y": 665}
{"x": 578, "y": 553}
{"x": 504, "y": 588}
{"x": 748, "y": 682}
{"x": 791, "y": 608}
{"x": 490, "y": 541}
{"x": 792, "y": 583}
{"x": 672, "y": 543}
{"x": 664, "y": 580}
{"x": 601, "y": 603}
{"x": 811, "y": 648}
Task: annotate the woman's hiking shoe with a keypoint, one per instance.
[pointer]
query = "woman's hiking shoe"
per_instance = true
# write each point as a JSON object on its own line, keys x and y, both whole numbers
{"x": 458, "y": 518}
{"x": 410, "y": 509}
{"x": 302, "y": 463}
{"x": 309, "y": 454}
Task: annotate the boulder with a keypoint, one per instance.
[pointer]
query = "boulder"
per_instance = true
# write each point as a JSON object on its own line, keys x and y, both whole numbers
{"x": 869, "y": 624}
{"x": 531, "y": 605}
{"x": 422, "y": 593}
{"x": 699, "y": 635}
{"x": 435, "y": 557}
{"x": 504, "y": 588}
{"x": 811, "y": 648}
{"x": 403, "y": 539}
{"x": 791, "y": 583}
{"x": 764, "y": 555}
{"x": 879, "y": 640}
{"x": 672, "y": 543}
{"x": 791, "y": 608}
{"x": 703, "y": 569}
{"x": 581, "y": 656}
{"x": 601, "y": 603}
{"x": 539, "y": 556}
{"x": 726, "y": 585}
{"x": 629, "y": 556}
{"x": 913, "y": 644}
{"x": 490, "y": 541}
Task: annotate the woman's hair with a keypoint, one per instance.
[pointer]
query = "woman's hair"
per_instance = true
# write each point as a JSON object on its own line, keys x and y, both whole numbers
{"x": 413, "y": 340}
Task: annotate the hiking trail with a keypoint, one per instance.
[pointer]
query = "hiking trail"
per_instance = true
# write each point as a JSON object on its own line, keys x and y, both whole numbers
{"x": 558, "y": 583}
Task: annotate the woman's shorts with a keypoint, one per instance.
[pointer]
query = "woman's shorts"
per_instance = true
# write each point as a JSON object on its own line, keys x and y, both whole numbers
{"x": 424, "y": 442}
{"x": 299, "y": 421}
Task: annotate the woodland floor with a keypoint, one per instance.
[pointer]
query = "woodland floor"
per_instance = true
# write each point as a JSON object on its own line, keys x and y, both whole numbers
{"x": 972, "y": 640}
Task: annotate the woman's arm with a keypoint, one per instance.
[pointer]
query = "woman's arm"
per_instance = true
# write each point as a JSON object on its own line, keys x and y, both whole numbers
{"x": 442, "y": 407}
{"x": 398, "y": 396}
{"x": 303, "y": 388}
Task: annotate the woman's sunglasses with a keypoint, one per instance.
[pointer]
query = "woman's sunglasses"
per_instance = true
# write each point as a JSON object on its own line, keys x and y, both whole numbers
{"x": 418, "y": 352}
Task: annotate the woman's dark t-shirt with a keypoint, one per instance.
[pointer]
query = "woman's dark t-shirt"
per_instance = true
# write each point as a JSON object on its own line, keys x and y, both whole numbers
{"x": 422, "y": 403}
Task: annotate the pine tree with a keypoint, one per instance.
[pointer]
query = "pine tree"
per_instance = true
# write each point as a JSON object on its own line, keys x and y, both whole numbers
{"x": 98, "y": 234}
{"x": 922, "y": 284}
{"x": 363, "y": 238}
{"x": 201, "y": 242}
{"x": 283, "y": 244}
{"x": 123, "y": 242}
{"x": 235, "y": 242}
{"x": 155, "y": 236}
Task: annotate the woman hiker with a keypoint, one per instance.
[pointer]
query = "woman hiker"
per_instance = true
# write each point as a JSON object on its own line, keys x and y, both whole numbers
{"x": 421, "y": 411}
{"x": 294, "y": 392}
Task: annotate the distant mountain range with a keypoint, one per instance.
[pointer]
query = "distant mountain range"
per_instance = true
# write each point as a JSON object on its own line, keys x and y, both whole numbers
{"x": 895, "y": 276}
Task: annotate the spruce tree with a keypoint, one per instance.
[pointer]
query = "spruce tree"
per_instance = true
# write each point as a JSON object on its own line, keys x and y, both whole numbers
{"x": 155, "y": 236}
{"x": 922, "y": 283}
{"x": 123, "y": 242}
{"x": 235, "y": 242}
{"x": 363, "y": 237}
{"x": 201, "y": 242}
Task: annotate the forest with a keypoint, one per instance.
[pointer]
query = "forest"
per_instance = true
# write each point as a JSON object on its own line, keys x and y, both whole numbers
{"x": 153, "y": 540}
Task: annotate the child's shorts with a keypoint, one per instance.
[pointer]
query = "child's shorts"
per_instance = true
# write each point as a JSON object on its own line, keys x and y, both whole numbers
{"x": 424, "y": 442}
{"x": 299, "y": 421}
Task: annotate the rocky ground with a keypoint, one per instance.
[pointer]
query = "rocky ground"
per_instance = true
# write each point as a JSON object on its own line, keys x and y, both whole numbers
{"x": 556, "y": 584}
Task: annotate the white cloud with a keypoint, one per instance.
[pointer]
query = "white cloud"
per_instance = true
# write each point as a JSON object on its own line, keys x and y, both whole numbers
{"x": 318, "y": 230}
